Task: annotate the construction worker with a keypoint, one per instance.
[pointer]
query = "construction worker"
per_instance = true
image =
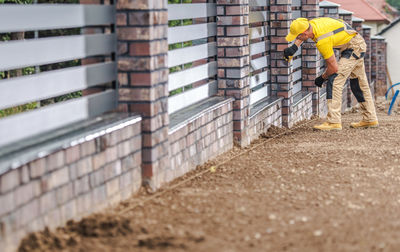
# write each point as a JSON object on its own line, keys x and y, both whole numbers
{"x": 329, "y": 33}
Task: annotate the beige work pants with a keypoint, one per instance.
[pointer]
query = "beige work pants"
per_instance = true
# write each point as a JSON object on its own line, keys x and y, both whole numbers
{"x": 355, "y": 69}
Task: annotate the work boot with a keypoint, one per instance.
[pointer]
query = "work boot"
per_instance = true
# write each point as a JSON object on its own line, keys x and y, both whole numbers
{"x": 328, "y": 126}
{"x": 362, "y": 124}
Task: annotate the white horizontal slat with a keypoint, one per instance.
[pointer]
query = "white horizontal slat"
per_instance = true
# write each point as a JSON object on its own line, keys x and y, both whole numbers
{"x": 53, "y": 16}
{"x": 17, "y": 127}
{"x": 19, "y": 54}
{"x": 17, "y": 91}
{"x": 256, "y": 3}
{"x": 297, "y": 87}
{"x": 296, "y": 14}
{"x": 192, "y": 53}
{"x": 258, "y": 63}
{"x": 189, "y": 11}
{"x": 259, "y": 94}
{"x": 191, "y": 96}
{"x": 186, "y": 77}
{"x": 257, "y": 48}
{"x": 258, "y": 16}
{"x": 297, "y": 75}
{"x": 296, "y": 3}
{"x": 258, "y": 32}
{"x": 191, "y": 32}
{"x": 259, "y": 79}
{"x": 296, "y": 63}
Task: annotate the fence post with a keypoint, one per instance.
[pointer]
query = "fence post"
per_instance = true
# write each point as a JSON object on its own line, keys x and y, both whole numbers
{"x": 143, "y": 76}
{"x": 367, "y": 58}
{"x": 378, "y": 65}
{"x": 233, "y": 62}
{"x": 329, "y": 9}
{"x": 281, "y": 74}
{"x": 310, "y": 58}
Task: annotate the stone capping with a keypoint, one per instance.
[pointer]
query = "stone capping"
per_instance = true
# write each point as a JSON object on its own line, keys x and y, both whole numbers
{"x": 182, "y": 117}
{"x": 328, "y": 4}
{"x": 377, "y": 37}
{"x": 63, "y": 138}
{"x": 345, "y": 12}
{"x": 364, "y": 26}
{"x": 303, "y": 94}
{"x": 264, "y": 104}
{"x": 357, "y": 19}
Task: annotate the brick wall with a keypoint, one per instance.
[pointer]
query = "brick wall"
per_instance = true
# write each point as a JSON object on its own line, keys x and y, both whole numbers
{"x": 261, "y": 121}
{"x": 233, "y": 62}
{"x": 202, "y": 137}
{"x": 71, "y": 182}
{"x": 143, "y": 76}
{"x": 302, "y": 109}
{"x": 378, "y": 65}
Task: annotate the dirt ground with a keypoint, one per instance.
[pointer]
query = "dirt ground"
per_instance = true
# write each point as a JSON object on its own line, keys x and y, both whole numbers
{"x": 301, "y": 191}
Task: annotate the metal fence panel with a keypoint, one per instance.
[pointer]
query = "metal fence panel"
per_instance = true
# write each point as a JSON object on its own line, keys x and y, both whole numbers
{"x": 259, "y": 79}
{"x": 258, "y": 3}
{"x": 189, "y": 11}
{"x": 19, "y": 54}
{"x": 257, "y": 48}
{"x": 17, "y": 91}
{"x": 186, "y": 77}
{"x": 259, "y": 51}
{"x": 191, "y": 96}
{"x": 258, "y": 16}
{"x": 191, "y": 32}
{"x": 192, "y": 53}
{"x": 20, "y": 126}
{"x": 259, "y": 94}
{"x": 258, "y": 32}
{"x": 53, "y": 16}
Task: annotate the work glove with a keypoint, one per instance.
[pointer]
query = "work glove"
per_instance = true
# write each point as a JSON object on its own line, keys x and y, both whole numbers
{"x": 319, "y": 81}
{"x": 290, "y": 51}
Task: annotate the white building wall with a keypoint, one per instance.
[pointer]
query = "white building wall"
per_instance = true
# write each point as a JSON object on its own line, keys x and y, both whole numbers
{"x": 392, "y": 37}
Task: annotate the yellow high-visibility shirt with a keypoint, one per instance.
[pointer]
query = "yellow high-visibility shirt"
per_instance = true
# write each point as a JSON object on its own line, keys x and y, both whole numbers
{"x": 324, "y": 25}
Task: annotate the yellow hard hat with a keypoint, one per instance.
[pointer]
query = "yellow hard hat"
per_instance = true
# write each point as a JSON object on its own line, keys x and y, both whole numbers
{"x": 298, "y": 26}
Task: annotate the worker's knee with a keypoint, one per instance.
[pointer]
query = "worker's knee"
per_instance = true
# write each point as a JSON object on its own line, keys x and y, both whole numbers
{"x": 355, "y": 88}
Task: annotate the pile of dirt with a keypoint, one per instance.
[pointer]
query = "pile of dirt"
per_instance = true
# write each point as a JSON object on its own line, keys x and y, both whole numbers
{"x": 98, "y": 225}
{"x": 273, "y": 131}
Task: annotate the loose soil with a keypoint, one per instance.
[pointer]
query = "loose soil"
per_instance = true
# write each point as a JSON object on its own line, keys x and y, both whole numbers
{"x": 301, "y": 191}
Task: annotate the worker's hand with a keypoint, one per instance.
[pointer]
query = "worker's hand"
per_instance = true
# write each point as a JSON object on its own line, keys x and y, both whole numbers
{"x": 319, "y": 81}
{"x": 290, "y": 51}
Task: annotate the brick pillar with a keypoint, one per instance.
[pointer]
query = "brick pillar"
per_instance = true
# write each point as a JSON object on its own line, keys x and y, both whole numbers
{"x": 374, "y": 64}
{"x": 346, "y": 16}
{"x": 378, "y": 67}
{"x": 233, "y": 62}
{"x": 281, "y": 75}
{"x": 310, "y": 58}
{"x": 367, "y": 59}
{"x": 329, "y": 9}
{"x": 143, "y": 77}
{"x": 357, "y": 25}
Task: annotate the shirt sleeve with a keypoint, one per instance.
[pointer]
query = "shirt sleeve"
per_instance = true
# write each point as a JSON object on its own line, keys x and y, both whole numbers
{"x": 325, "y": 48}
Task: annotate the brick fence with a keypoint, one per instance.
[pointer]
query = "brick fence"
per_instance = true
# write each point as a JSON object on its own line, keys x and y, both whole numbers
{"x": 107, "y": 161}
